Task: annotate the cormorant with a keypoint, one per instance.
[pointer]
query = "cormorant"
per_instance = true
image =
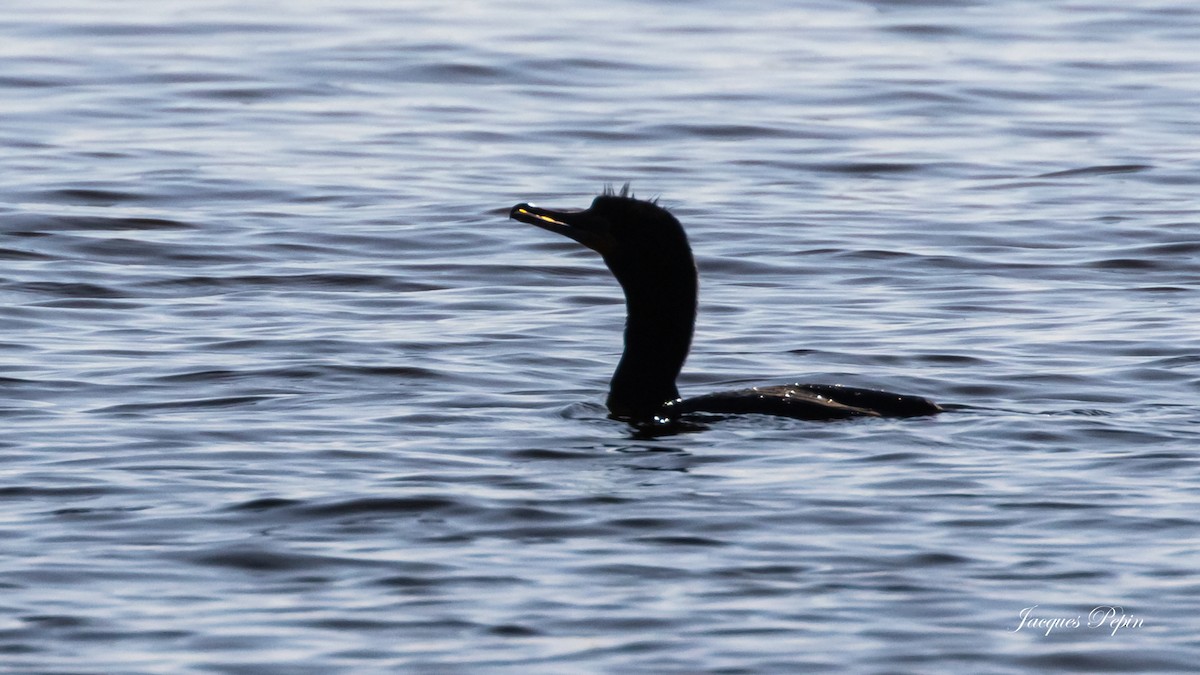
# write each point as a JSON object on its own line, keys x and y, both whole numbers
{"x": 647, "y": 251}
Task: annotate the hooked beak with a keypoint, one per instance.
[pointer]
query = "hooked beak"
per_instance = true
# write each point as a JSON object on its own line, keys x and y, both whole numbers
{"x": 584, "y": 227}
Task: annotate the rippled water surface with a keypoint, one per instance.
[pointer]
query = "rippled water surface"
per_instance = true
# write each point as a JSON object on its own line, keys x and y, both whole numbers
{"x": 284, "y": 391}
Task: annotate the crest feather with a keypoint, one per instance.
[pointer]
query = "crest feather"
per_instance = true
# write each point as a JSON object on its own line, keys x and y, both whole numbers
{"x": 625, "y": 192}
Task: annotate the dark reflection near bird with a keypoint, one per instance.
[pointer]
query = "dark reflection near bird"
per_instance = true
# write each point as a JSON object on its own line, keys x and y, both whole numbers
{"x": 647, "y": 250}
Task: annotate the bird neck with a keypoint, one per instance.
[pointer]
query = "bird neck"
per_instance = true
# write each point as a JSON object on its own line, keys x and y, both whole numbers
{"x": 660, "y": 318}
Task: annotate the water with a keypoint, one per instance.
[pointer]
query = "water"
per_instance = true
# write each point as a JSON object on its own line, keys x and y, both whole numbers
{"x": 283, "y": 390}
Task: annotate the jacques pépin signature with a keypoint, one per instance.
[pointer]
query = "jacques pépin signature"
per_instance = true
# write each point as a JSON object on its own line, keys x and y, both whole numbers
{"x": 1104, "y": 615}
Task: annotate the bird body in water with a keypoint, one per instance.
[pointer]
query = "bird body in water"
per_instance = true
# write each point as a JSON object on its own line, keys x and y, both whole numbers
{"x": 647, "y": 250}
